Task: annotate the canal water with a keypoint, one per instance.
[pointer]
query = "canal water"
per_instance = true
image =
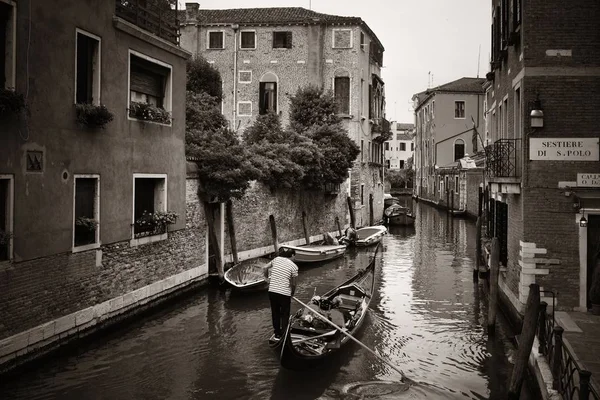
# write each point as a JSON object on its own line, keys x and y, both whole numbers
{"x": 427, "y": 317}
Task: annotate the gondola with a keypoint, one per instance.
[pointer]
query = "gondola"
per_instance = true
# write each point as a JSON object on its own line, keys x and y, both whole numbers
{"x": 248, "y": 275}
{"x": 308, "y": 341}
{"x": 399, "y": 215}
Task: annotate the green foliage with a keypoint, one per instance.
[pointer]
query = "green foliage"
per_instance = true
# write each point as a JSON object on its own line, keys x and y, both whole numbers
{"x": 400, "y": 178}
{"x": 88, "y": 223}
{"x": 204, "y": 78}
{"x": 92, "y": 115}
{"x": 148, "y": 112}
{"x": 157, "y": 218}
{"x": 312, "y": 106}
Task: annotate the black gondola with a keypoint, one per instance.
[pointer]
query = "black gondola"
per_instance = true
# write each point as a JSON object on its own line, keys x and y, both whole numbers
{"x": 308, "y": 340}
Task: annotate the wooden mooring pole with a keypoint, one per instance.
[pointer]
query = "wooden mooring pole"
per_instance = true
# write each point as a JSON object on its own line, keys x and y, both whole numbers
{"x": 351, "y": 211}
{"x": 477, "y": 248}
{"x": 274, "y": 232}
{"x": 451, "y": 200}
{"x": 231, "y": 228}
{"x": 210, "y": 221}
{"x": 371, "y": 216}
{"x": 480, "y": 205}
{"x": 337, "y": 222}
{"x": 305, "y": 227}
{"x": 525, "y": 342}
{"x": 494, "y": 272}
{"x": 448, "y": 200}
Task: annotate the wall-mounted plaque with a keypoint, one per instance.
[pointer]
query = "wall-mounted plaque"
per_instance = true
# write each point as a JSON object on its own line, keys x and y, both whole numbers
{"x": 564, "y": 149}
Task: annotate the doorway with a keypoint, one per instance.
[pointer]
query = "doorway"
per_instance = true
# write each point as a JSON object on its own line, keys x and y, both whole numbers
{"x": 593, "y": 249}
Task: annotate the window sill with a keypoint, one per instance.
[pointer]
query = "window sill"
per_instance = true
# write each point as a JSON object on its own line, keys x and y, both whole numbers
{"x": 145, "y": 121}
{"x": 147, "y": 239}
{"x": 216, "y": 48}
{"x": 247, "y": 48}
{"x": 79, "y": 249}
{"x": 281, "y": 48}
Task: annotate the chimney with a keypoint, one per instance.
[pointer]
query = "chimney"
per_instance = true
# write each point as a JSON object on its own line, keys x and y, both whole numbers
{"x": 191, "y": 11}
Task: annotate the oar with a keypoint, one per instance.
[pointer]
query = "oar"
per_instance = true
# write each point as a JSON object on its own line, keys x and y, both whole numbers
{"x": 322, "y": 318}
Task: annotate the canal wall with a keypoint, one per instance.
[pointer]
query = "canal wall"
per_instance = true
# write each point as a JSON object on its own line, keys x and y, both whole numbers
{"x": 50, "y": 301}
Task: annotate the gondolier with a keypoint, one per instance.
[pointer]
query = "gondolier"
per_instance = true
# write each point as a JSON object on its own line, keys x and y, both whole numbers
{"x": 282, "y": 286}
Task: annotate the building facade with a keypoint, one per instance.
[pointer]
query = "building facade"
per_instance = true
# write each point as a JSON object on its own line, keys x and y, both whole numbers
{"x": 400, "y": 147}
{"x": 264, "y": 55}
{"x": 74, "y": 184}
{"x": 542, "y": 159}
{"x": 447, "y": 121}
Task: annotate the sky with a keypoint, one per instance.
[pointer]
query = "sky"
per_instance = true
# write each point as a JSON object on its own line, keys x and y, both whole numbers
{"x": 427, "y": 42}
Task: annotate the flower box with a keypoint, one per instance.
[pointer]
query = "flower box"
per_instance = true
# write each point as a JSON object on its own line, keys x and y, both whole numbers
{"x": 150, "y": 224}
{"x": 92, "y": 115}
{"x": 148, "y": 112}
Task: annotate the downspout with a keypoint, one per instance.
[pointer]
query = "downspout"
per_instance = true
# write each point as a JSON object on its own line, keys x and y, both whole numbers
{"x": 235, "y": 28}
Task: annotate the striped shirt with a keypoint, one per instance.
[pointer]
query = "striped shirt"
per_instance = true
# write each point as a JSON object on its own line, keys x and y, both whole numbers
{"x": 282, "y": 271}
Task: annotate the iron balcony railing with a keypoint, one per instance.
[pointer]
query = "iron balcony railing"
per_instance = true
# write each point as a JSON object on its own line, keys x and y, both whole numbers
{"x": 569, "y": 379}
{"x": 503, "y": 158}
{"x": 156, "y": 16}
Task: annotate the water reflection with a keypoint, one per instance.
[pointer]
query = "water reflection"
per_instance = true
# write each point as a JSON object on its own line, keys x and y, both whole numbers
{"x": 427, "y": 316}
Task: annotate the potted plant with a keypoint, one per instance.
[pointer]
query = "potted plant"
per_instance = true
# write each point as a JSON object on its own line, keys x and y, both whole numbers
{"x": 89, "y": 224}
{"x": 594, "y": 293}
{"x": 92, "y": 115}
{"x": 148, "y": 112}
{"x": 11, "y": 102}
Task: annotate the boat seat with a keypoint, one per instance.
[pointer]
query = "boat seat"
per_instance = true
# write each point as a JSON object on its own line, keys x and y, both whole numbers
{"x": 348, "y": 302}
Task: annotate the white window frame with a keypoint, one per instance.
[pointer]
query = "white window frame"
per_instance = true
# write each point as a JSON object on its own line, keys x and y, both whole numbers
{"x": 464, "y": 109}
{"x": 340, "y": 74}
{"x": 240, "y": 77}
{"x": 168, "y": 99}
{"x": 506, "y": 112}
{"x": 96, "y": 244}
{"x": 208, "y": 39}
{"x": 148, "y": 239}
{"x": 255, "y": 39}
{"x": 464, "y": 143}
{"x": 97, "y": 80}
{"x": 517, "y": 117}
{"x": 10, "y": 214}
{"x": 333, "y": 31}
{"x": 238, "y": 109}
{"x": 10, "y": 63}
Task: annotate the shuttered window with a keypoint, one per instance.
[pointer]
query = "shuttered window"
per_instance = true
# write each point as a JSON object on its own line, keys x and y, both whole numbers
{"x": 342, "y": 94}
{"x": 215, "y": 40}
{"x": 148, "y": 79}
{"x": 282, "y": 40}
{"x": 85, "y": 208}
{"x": 248, "y": 40}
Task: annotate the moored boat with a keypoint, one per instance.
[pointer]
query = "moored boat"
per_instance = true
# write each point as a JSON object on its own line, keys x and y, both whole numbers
{"x": 248, "y": 275}
{"x": 316, "y": 252}
{"x": 398, "y": 215}
{"x": 369, "y": 235}
{"x": 308, "y": 340}
{"x": 389, "y": 200}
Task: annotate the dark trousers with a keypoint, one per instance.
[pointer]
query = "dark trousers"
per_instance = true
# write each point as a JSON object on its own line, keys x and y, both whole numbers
{"x": 280, "y": 311}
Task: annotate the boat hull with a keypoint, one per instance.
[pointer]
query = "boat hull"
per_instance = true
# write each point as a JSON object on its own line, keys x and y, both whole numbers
{"x": 370, "y": 236}
{"x": 401, "y": 220}
{"x": 247, "y": 276}
{"x": 316, "y": 253}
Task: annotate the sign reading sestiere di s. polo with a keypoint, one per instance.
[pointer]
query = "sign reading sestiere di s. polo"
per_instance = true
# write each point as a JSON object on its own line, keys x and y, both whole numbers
{"x": 564, "y": 149}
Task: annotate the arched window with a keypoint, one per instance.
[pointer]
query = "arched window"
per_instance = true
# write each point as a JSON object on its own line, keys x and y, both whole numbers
{"x": 268, "y": 93}
{"x": 341, "y": 90}
{"x": 459, "y": 149}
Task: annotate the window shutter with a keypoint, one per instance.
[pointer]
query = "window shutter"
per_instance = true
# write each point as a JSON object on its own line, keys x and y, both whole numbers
{"x": 288, "y": 40}
{"x": 85, "y": 193}
{"x": 342, "y": 95}
{"x": 262, "y": 101}
{"x": 144, "y": 81}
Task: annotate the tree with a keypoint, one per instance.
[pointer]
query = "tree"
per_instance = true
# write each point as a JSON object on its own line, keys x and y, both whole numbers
{"x": 203, "y": 78}
{"x": 312, "y": 114}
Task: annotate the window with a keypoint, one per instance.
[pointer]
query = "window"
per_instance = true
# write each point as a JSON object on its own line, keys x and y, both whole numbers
{"x": 387, "y": 145}
{"x": 362, "y": 194}
{"x": 215, "y": 40}
{"x": 362, "y": 149}
{"x": 517, "y": 118}
{"x": 402, "y": 146}
{"x": 506, "y": 117}
{"x": 149, "y": 196}
{"x": 245, "y": 77}
{"x": 369, "y": 150}
{"x": 401, "y": 164}
{"x": 7, "y": 45}
{"x": 459, "y": 149}
{"x": 342, "y": 38}
{"x": 149, "y": 81}
{"x": 248, "y": 40}
{"x": 456, "y": 186}
{"x": 87, "y": 68}
{"x": 412, "y": 147}
{"x": 86, "y": 213}
{"x": 282, "y": 40}
{"x": 6, "y": 219}
{"x": 362, "y": 41}
{"x": 459, "y": 109}
{"x": 500, "y": 121}
{"x": 387, "y": 164}
{"x": 244, "y": 109}
{"x": 341, "y": 88}
{"x": 516, "y": 13}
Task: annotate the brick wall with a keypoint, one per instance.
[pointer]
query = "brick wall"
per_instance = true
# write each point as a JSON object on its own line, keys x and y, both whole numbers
{"x": 40, "y": 290}
{"x": 474, "y": 179}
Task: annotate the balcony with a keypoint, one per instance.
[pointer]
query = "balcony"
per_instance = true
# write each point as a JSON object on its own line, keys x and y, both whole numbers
{"x": 158, "y": 17}
{"x": 381, "y": 130}
{"x": 503, "y": 161}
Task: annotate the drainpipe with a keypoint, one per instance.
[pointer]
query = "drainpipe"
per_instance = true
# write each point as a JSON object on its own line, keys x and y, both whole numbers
{"x": 235, "y": 28}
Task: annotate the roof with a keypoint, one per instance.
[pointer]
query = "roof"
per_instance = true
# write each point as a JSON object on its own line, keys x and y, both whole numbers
{"x": 275, "y": 15}
{"x": 462, "y": 85}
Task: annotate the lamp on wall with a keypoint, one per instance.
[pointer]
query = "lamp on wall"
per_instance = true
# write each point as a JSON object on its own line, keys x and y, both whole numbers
{"x": 537, "y": 115}
{"x": 583, "y": 222}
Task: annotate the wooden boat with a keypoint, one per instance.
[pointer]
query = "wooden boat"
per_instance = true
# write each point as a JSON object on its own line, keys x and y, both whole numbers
{"x": 369, "y": 235}
{"x": 389, "y": 200}
{"x": 248, "y": 275}
{"x": 316, "y": 252}
{"x": 308, "y": 340}
{"x": 398, "y": 215}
